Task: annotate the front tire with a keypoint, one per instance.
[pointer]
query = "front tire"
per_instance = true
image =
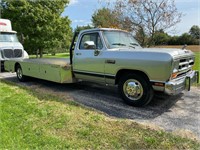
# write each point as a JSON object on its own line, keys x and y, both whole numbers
{"x": 135, "y": 90}
{"x": 20, "y": 76}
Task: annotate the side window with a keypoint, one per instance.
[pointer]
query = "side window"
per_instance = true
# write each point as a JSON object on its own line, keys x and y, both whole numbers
{"x": 91, "y": 41}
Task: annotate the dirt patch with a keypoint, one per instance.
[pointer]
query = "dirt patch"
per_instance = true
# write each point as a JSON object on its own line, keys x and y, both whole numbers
{"x": 186, "y": 134}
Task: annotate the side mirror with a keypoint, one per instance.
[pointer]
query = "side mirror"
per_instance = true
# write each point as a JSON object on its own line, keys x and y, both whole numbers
{"x": 89, "y": 45}
{"x": 96, "y": 52}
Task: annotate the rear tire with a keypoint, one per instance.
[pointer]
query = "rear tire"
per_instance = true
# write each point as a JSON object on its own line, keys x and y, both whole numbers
{"x": 20, "y": 76}
{"x": 135, "y": 90}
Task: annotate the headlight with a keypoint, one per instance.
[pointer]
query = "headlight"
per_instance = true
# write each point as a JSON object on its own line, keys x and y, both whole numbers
{"x": 176, "y": 66}
{"x": 175, "y": 69}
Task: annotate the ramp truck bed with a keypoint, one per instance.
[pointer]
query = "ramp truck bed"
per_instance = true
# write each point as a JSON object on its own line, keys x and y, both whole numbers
{"x": 56, "y": 70}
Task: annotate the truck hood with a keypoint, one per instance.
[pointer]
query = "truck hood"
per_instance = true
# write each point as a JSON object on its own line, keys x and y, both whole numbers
{"x": 11, "y": 45}
{"x": 175, "y": 53}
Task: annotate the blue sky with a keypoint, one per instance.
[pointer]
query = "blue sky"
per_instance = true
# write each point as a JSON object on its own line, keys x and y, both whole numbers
{"x": 80, "y": 12}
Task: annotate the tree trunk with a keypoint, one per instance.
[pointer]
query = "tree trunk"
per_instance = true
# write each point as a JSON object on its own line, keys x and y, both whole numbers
{"x": 22, "y": 38}
{"x": 41, "y": 53}
{"x": 37, "y": 53}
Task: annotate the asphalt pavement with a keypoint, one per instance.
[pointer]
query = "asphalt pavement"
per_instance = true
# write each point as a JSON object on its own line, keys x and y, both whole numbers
{"x": 178, "y": 113}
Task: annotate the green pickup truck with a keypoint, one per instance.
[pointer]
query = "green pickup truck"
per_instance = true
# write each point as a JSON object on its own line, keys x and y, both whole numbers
{"x": 114, "y": 57}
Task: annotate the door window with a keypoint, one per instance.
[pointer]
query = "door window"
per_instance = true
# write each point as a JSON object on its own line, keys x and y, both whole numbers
{"x": 91, "y": 41}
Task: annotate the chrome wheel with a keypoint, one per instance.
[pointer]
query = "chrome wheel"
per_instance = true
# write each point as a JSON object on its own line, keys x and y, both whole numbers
{"x": 133, "y": 89}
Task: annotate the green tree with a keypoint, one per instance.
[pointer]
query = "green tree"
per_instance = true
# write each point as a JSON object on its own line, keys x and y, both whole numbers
{"x": 105, "y": 18}
{"x": 79, "y": 28}
{"x": 141, "y": 36}
{"x": 161, "y": 38}
{"x": 186, "y": 38}
{"x": 145, "y": 16}
{"x": 40, "y": 23}
{"x": 195, "y": 32}
{"x": 173, "y": 40}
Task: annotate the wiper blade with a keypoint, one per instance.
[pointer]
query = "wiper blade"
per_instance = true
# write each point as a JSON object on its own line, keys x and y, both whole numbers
{"x": 120, "y": 44}
{"x": 134, "y": 44}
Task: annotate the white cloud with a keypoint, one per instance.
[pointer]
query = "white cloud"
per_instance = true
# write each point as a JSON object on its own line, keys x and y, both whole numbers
{"x": 79, "y": 21}
{"x": 72, "y": 2}
{"x": 82, "y": 21}
{"x": 185, "y": 1}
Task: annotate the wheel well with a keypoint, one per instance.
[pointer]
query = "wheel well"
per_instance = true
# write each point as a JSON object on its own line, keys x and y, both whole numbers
{"x": 16, "y": 64}
{"x": 126, "y": 71}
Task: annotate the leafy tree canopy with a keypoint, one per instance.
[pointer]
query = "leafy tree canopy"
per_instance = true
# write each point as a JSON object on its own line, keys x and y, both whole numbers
{"x": 39, "y": 22}
{"x": 144, "y": 17}
{"x": 195, "y": 32}
{"x": 79, "y": 28}
{"x": 105, "y": 18}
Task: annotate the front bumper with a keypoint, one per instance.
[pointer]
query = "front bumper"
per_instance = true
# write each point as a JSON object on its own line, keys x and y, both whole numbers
{"x": 178, "y": 85}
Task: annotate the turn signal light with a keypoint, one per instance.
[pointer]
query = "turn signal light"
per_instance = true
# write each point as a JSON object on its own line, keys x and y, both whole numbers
{"x": 174, "y": 75}
{"x": 159, "y": 84}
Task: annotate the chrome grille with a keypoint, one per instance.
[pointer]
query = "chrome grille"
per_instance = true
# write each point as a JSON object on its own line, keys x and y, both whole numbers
{"x": 185, "y": 65}
{"x": 12, "y": 53}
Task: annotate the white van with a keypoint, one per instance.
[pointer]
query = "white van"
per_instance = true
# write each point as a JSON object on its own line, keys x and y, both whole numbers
{"x": 10, "y": 47}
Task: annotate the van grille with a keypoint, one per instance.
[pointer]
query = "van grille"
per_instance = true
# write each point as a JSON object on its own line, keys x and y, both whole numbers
{"x": 12, "y": 53}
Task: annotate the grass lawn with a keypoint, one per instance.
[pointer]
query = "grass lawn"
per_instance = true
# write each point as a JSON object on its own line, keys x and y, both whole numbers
{"x": 197, "y": 63}
{"x": 58, "y": 55}
{"x": 32, "y": 120}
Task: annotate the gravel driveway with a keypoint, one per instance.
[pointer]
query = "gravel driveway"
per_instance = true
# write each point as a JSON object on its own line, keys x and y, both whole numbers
{"x": 171, "y": 113}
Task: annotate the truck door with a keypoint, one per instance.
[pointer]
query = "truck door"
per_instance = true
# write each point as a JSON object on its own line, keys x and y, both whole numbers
{"x": 88, "y": 62}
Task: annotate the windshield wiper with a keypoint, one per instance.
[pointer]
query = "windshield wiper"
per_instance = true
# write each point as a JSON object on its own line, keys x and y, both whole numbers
{"x": 134, "y": 44}
{"x": 119, "y": 44}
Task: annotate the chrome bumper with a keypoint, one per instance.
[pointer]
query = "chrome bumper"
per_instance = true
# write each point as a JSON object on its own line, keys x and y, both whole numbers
{"x": 178, "y": 85}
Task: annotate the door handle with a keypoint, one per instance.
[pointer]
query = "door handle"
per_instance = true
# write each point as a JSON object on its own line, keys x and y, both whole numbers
{"x": 78, "y": 53}
{"x": 110, "y": 61}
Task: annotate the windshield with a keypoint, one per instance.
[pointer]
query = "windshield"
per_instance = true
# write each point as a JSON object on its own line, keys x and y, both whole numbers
{"x": 8, "y": 37}
{"x": 119, "y": 39}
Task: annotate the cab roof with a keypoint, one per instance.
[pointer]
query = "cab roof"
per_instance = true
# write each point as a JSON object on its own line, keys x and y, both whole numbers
{"x": 102, "y": 29}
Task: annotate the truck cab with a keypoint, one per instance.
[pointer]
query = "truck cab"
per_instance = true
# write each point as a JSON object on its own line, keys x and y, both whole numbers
{"x": 10, "y": 47}
{"x": 114, "y": 57}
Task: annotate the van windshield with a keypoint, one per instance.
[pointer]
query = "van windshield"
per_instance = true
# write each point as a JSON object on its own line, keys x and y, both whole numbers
{"x": 120, "y": 39}
{"x": 8, "y": 37}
